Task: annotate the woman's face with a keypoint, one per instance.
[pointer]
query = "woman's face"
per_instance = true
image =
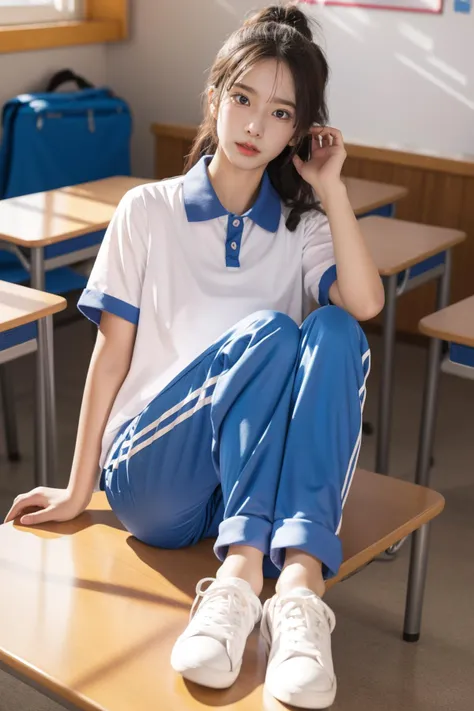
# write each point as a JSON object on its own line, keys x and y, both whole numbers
{"x": 256, "y": 117}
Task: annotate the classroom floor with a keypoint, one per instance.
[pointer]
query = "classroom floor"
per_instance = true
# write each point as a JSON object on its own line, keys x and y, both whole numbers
{"x": 375, "y": 669}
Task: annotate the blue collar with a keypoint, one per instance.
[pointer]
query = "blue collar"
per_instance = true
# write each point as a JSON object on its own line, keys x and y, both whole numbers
{"x": 201, "y": 202}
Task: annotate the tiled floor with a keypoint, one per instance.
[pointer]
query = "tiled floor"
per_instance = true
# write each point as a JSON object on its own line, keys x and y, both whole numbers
{"x": 376, "y": 670}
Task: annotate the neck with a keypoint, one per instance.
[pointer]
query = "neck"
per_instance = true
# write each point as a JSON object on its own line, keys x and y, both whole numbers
{"x": 236, "y": 189}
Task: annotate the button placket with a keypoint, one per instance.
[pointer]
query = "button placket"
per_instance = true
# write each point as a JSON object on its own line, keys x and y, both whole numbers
{"x": 235, "y": 226}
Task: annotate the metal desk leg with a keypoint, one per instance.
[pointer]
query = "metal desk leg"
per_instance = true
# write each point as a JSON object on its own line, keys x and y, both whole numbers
{"x": 386, "y": 382}
{"x": 45, "y": 393}
{"x": 9, "y": 416}
{"x": 367, "y": 427}
{"x": 420, "y": 538}
{"x": 416, "y": 583}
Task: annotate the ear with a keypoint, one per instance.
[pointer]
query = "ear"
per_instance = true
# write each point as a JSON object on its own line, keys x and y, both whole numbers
{"x": 211, "y": 98}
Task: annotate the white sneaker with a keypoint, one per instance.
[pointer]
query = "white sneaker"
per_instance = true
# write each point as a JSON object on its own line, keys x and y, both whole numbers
{"x": 210, "y": 650}
{"x": 296, "y": 629}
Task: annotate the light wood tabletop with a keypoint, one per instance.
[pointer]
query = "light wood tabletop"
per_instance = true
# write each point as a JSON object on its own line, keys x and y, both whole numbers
{"x": 367, "y": 195}
{"x": 20, "y": 305}
{"x": 455, "y": 323}
{"x": 396, "y": 245}
{"x": 45, "y": 218}
{"x": 91, "y": 614}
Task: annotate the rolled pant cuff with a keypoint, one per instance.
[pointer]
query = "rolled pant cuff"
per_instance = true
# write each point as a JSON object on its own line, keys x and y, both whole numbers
{"x": 311, "y": 538}
{"x": 243, "y": 531}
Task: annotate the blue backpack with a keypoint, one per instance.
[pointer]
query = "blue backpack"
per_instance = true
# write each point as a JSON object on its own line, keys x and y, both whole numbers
{"x": 51, "y": 140}
{"x": 55, "y": 139}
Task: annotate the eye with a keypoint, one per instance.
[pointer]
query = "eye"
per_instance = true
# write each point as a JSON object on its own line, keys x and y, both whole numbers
{"x": 282, "y": 114}
{"x": 240, "y": 99}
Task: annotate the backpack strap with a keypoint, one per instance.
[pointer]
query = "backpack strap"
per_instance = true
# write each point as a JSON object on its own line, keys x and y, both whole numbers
{"x": 67, "y": 75}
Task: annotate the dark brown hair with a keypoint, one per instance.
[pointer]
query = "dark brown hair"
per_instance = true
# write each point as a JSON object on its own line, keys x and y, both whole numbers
{"x": 282, "y": 33}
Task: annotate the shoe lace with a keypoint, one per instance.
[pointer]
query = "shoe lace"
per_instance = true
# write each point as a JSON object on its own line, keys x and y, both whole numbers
{"x": 218, "y": 611}
{"x": 300, "y": 620}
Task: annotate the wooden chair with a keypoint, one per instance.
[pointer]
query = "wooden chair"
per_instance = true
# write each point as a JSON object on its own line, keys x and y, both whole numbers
{"x": 407, "y": 255}
{"x": 26, "y": 326}
{"x": 92, "y": 613}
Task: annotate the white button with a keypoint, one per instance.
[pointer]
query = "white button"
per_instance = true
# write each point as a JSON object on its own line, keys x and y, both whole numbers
{"x": 233, "y": 245}
{"x": 236, "y": 223}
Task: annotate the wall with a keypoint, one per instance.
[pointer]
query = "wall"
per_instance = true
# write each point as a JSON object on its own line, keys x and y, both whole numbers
{"x": 22, "y": 72}
{"x": 398, "y": 79}
{"x": 402, "y": 80}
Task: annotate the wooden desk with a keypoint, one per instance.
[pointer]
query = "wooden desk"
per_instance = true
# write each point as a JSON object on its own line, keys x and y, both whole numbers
{"x": 41, "y": 219}
{"x": 454, "y": 323}
{"x": 367, "y": 195}
{"x": 20, "y": 305}
{"x": 396, "y": 246}
{"x": 92, "y": 614}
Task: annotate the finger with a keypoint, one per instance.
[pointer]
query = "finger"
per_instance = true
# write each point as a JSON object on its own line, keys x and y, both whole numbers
{"x": 315, "y": 143}
{"x": 298, "y": 163}
{"x": 328, "y": 140}
{"x": 320, "y": 140}
{"x": 335, "y": 133}
{"x": 22, "y": 502}
{"x": 32, "y": 519}
{"x": 326, "y": 137}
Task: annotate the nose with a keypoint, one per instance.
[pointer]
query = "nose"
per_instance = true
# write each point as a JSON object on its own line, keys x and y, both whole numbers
{"x": 255, "y": 129}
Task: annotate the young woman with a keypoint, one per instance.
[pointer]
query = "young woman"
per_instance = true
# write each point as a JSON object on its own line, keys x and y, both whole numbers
{"x": 211, "y": 406}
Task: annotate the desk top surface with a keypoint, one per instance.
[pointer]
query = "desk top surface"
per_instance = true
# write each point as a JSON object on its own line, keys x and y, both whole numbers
{"x": 93, "y": 613}
{"x": 396, "y": 245}
{"x": 20, "y": 305}
{"x": 455, "y": 323}
{"x": 45, "y": 218}
{"x": 368, "y": 195}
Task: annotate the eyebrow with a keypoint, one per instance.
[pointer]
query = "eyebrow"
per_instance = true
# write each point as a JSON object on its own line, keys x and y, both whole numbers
{"x": 275, "y": 100}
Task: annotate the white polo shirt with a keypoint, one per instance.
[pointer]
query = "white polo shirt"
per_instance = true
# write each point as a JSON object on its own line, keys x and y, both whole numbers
{"x": 177, "y": 264}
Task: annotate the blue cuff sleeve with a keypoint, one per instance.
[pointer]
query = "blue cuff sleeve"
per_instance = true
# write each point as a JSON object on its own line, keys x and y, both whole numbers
{"x": 325, "y": 283}
{"x": 92, "y": 303}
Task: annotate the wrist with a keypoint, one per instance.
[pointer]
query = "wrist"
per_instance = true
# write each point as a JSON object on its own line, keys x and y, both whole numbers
{"x": 331, "y": 193}
{"x": 78, "y": 496}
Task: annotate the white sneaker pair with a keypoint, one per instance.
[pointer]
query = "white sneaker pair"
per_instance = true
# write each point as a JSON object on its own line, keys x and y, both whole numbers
{"x": 296, "y": 630}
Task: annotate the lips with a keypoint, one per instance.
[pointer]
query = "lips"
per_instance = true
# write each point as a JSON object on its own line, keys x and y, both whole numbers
{"x": 248, "y": 147}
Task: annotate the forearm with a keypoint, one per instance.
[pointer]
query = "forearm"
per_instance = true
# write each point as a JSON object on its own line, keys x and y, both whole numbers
{"x": 102, "y": 385}
{"x": 359, "y": 284}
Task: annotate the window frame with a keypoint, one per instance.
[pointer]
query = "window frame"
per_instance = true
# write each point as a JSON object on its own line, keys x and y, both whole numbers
{"x": 103, "y": 21}
{"x": 38, "y": 14}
